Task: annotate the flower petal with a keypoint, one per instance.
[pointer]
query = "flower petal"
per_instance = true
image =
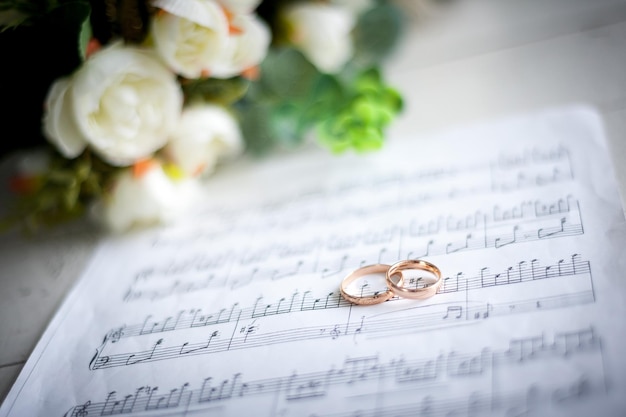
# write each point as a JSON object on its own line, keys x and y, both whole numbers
{"x": 126, "y": 102}
{"x": 244, "y": 50}
{"x": 240, "y": 6}
{"x": 206, "y": 134}
{"x": 191, "y": 37}
{"x": 59, "y": 125}
{"x": 150, "y": 199}
{"x": 323, "y": 33}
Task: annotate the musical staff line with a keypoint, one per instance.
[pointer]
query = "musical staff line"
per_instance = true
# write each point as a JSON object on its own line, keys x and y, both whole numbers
{"x": 515, "y": 402}
{"x": 288, "y": 210}
{"x": 398, "y": 370}
{"x": 489, "y": 237}
{"x": 411, "y": 320}
{"x": 521, "y": 272}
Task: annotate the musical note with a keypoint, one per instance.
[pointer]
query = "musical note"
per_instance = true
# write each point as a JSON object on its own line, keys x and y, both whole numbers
{"x": 498, "y": 241}
{"x": 193, "y": 318}
{"x": 239, "y": 308}
{"x": 412, "y": 255}
{"x": 542, "y": 233}
{"x": 457, "y": 311}
{"x": 451, "y": 249}
{"x": 278, "y": 275}
{"x": 136, "y": 358}
{"x": 396, "y": 372}
{"x": 329, "y": 272}
{"x": 184, "y": 350}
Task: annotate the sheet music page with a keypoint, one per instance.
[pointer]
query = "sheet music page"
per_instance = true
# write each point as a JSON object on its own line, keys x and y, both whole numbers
{"x": 236, "y": 310}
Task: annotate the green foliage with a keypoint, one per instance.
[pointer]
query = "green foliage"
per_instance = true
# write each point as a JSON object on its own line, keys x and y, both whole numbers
{"x": 376, "y": 33}
{"x": 348, "y": 110}
{"x": 360, "y": 123}
{"x": 224, "y": 92}
{"x": 276, "y": 109}
{"x": 61, "y": 193}
{"x": 286, "y": 75}
{"x": 345, "y": 112}
{"x": 84, "y": 36}
{"x": 256, "y": 127}
{"x": 43, "y": 48}
{"x": 74, "y": 16}
{"x": 35, "y": 11}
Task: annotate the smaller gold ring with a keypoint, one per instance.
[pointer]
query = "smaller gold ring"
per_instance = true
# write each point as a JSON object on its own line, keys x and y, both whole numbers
{"x": 377, "y": 298}
{"x": 413, "y": 293}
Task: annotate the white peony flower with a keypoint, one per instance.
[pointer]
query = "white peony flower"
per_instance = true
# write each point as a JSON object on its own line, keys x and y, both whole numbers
{"x": 191, "y": 35}
{"x": 147, "y": 199}
{"x": 122, "y": 102}
{"x": 240, "y": 6}
{"x": 205, "y": 135}
{"x": 322, "y": 32}
{"x": 245, "y": 49}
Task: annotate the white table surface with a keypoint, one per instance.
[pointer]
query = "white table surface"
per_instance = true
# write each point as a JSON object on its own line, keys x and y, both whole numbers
{"x": 469, "y": 61}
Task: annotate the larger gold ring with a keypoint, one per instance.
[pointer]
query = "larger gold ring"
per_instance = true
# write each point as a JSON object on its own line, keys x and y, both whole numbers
{"x": 414, "y": 293}
{"x": 376, "y": 298}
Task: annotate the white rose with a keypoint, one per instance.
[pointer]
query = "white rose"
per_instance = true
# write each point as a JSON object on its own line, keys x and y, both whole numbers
{"x": 245, "y": 49}
{"x": 240, "y": 6}
{"x": 205, "y": 135}
{"x": 191, "y": 36}
{"x": 322, "y": 32}
{"x": 122, "y": 102}
{"x": 148, "y": 199}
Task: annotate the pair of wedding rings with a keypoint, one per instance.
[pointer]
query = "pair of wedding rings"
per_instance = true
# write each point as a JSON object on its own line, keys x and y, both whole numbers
{"x": 394, "y": 288}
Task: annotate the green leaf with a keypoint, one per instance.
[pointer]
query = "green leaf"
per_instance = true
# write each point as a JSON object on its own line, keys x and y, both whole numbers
{"x": 255, "y": 123}
{"x": 287, "y": 124}
{"x": 73, "y": 17}
{"x": 224, "y": 92}
{"x": 63, "y": 192}
{"x": 11, "y": 18}
{"x": 287, "y": 74}
{"x": 326, "y": 98}
{"x": 376, "y": 33}
{"x": 84, "y": 37}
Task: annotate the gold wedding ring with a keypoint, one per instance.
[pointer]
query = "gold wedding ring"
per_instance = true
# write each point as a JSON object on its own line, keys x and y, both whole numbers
{"x": 376, "y": 298}
{"x": 414, "y": 293}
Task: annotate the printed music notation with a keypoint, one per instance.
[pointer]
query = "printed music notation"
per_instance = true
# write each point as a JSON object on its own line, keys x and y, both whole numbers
{"x": 508, "y": 171}
{"x": 248, "y": 335}
{"x": 237, "y": 308}
{"x": 446, "y": 367}
{"x": 246, "y": 331}
{"x": 522, "y": 271}
{"x": 328, "y": 255}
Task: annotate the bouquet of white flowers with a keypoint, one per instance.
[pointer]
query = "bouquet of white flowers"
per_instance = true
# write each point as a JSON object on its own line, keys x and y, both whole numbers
{"x": 142, "y": 99}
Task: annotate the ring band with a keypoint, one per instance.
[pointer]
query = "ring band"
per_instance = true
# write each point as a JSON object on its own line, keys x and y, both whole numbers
{"x": 377, "y": 298}
{"x": 413, "y": 293}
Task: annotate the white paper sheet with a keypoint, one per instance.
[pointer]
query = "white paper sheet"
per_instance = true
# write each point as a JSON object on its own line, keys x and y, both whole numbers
{"x": 236, "y": 311}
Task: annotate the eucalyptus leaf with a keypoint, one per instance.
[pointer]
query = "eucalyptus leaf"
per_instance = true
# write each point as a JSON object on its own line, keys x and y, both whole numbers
{"x": 84, "y": 37}
{"x": 73, "y": 17}
{"x": 287, "y": 73}
{"x": 256, "y": 128}
{"x": 326, "y": 98}
{"x": 287, "y": 124}
{"x": 376, "y": 33}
